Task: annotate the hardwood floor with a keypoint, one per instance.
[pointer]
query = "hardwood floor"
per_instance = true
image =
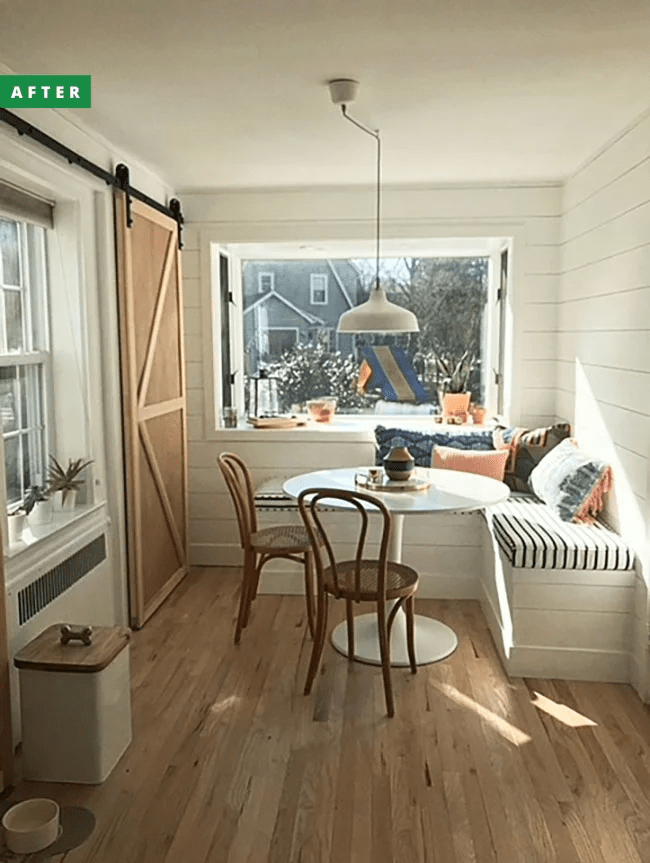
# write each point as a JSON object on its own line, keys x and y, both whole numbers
{"x": 230, "y": 763}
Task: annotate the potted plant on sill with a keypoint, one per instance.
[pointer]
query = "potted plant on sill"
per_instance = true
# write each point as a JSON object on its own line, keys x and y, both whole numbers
{"x": 453, "y": 378}
{"x": 16, "y": 519}
{"x": 65, "y": 482}
{"x": 37, "y": 505}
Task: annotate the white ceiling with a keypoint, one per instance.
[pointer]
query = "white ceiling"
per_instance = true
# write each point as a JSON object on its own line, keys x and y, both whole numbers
{"x": 218, "y": 94}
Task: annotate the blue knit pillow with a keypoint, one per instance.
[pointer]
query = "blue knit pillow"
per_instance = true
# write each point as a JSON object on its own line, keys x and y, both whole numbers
{"x": 421, "y": 444}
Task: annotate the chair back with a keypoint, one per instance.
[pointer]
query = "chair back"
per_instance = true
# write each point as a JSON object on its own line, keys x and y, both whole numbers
{"x": 240, "y": 486}
{"x": 320, "y": 536}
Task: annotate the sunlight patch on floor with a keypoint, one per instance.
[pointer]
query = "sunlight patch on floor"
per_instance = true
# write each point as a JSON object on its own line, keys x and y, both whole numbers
{"x": 565, "y": 715}
{"x": 508, "y": 731}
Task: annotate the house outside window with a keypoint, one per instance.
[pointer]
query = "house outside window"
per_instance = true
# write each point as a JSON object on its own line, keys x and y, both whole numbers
{"x": 318, "y": 289}
{"x": 265, "y": 282}
{"x": 452, "y": 297}
{"x": 281, "y": 341}
{"x": 24, "y": 357}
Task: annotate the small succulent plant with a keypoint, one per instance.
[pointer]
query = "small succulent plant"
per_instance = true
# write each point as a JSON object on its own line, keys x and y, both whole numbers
{"x": 36, "y": 494}
{"x": 66, "y": 479}
{"x": 453, "y": 373}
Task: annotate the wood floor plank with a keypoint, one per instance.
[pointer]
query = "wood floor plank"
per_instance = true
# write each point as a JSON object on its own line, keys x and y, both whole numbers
{"x": 231, "y": 763}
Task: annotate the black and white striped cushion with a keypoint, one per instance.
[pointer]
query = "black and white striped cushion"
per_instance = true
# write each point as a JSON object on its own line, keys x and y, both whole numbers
{"x": 270, "y": 497}
{"x": 532, "y": 537}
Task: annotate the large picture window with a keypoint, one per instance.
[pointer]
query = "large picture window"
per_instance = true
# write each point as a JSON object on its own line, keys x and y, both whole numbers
{"x": 24, "y": 358}
{"x": 291, "y": 334}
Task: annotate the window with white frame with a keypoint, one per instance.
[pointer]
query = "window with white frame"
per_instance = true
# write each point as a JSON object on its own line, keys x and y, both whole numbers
{"x": 265, "y": 282}
{"x": 24, "y": 356}
{"x": 318, "y": 288}
{"x": 455, "y": 297}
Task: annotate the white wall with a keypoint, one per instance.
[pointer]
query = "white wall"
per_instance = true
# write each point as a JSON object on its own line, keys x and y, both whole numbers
{"x": 528, "y": 214}
{"x": 604, "y": 333}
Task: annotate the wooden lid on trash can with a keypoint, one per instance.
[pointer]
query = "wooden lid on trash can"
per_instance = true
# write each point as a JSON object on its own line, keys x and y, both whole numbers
{"x": 47, "y": 653}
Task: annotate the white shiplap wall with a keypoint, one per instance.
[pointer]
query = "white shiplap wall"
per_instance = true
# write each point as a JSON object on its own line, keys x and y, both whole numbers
{"x": 603, "y": 336}
{"x": 529, "y": 214}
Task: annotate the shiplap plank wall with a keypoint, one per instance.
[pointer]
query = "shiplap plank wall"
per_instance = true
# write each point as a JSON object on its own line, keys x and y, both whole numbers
{"x": 603, "y": 336}
{"x": 449, "y": 557}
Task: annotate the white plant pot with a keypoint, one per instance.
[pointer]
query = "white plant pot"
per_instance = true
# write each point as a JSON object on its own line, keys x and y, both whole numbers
{"x": 69, "y": 500}
{"x": 41, "y": 513}
{"x": 64, "y": 500}
{"x": 16, "y": 526}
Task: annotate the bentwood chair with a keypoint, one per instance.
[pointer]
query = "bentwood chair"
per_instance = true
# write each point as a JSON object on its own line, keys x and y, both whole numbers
{"x": 259, "y": 546}
{"x": 361, "y": 579}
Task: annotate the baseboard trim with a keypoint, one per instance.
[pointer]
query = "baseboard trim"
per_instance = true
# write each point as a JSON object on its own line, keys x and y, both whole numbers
{"x": 599, "y": 666}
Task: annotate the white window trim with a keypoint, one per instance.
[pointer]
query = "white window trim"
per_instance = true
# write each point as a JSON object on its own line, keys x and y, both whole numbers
{"x": 271, "y": 277}
{"x": 249, "y": 242}
{"x": 314, "y": 278}
{"x": 83, "y": 218}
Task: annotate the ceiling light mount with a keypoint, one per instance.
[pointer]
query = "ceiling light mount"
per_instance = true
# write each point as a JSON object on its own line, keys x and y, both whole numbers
{"x": 343, "y": 90}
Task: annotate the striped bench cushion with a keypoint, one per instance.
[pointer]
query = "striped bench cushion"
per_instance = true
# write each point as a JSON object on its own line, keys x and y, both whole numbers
{"x": 270, "y": 497}
{"x": 532, "y": 537}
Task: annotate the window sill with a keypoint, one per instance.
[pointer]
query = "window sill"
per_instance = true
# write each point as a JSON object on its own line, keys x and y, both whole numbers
{"x": 343, "y": 428}
{"x": 43, "y": 539}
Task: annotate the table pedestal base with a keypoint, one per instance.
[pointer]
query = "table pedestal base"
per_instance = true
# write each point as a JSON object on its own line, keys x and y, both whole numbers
{"x": 433, "y": 640}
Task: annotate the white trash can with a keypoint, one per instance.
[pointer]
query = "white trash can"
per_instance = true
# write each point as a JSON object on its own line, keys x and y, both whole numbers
{"x": 75, "y": 704}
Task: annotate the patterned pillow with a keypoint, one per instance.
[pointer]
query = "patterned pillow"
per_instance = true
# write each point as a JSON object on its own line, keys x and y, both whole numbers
{"x": 421, "y": 444}
{"x": 490, "y": 463}
{"x": 571, "y": 483}
{"x": 527, "y": 448}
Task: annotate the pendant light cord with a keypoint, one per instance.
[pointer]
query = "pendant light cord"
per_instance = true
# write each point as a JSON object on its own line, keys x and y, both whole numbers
{"x": 375, "y": 134}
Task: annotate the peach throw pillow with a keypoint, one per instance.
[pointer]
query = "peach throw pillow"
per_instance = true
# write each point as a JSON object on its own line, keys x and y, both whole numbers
{"x": 487, "y": 463}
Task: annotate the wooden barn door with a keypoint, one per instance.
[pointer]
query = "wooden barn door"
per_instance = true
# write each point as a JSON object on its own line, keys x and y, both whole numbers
{"x": 154, "y": 405}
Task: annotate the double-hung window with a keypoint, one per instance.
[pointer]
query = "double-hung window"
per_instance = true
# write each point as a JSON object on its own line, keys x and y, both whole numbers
{"x": 24, "y": 357}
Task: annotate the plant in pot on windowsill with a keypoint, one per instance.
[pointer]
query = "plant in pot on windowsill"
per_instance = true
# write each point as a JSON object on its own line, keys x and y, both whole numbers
{"x": 38, "y": 506}
{"x": 16, "y": 520}
{"x": 65, "y": 482}
{"x": 453, "y": 378}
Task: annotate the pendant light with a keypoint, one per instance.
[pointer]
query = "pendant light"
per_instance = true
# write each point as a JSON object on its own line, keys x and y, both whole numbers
{"x": 377, "y": 314}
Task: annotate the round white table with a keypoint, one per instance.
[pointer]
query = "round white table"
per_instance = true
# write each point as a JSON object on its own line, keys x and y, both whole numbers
{"x": 449, "y": 491}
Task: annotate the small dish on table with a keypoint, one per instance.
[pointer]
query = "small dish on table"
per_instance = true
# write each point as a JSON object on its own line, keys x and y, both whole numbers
{"x": 363, "y": 479}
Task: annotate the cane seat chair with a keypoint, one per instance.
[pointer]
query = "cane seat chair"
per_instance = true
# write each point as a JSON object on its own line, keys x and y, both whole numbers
{"x": 262, "y": 545}
{"x": 360, "y": 579}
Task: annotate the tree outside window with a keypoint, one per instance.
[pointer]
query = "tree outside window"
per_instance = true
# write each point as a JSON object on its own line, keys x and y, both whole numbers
{"x": 447, "y": 295}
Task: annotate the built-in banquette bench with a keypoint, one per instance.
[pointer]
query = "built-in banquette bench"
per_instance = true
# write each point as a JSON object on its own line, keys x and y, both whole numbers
{"x": 558, "y": 597}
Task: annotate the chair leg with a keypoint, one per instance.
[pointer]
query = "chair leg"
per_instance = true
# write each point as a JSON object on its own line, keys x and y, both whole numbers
{"x": 319, "y": 640}
{"x": 384, "y": 652}
{"x": 245, "y": 601}
{"x": 410, "y": 627}
{"x": 350, "y": 619}
{"x": 255, "y": 580}
{"x": 309, "y": 591}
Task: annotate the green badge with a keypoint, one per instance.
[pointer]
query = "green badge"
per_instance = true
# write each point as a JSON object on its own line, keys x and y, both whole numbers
{"x": 44, "y": 91}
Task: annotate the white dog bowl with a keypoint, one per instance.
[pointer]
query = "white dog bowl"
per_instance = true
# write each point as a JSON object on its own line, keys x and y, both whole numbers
{"x": 31, "y": 825}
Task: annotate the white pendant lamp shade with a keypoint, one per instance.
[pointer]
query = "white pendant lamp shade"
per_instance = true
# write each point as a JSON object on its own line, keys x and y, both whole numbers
{"x": 378, "y": 315}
